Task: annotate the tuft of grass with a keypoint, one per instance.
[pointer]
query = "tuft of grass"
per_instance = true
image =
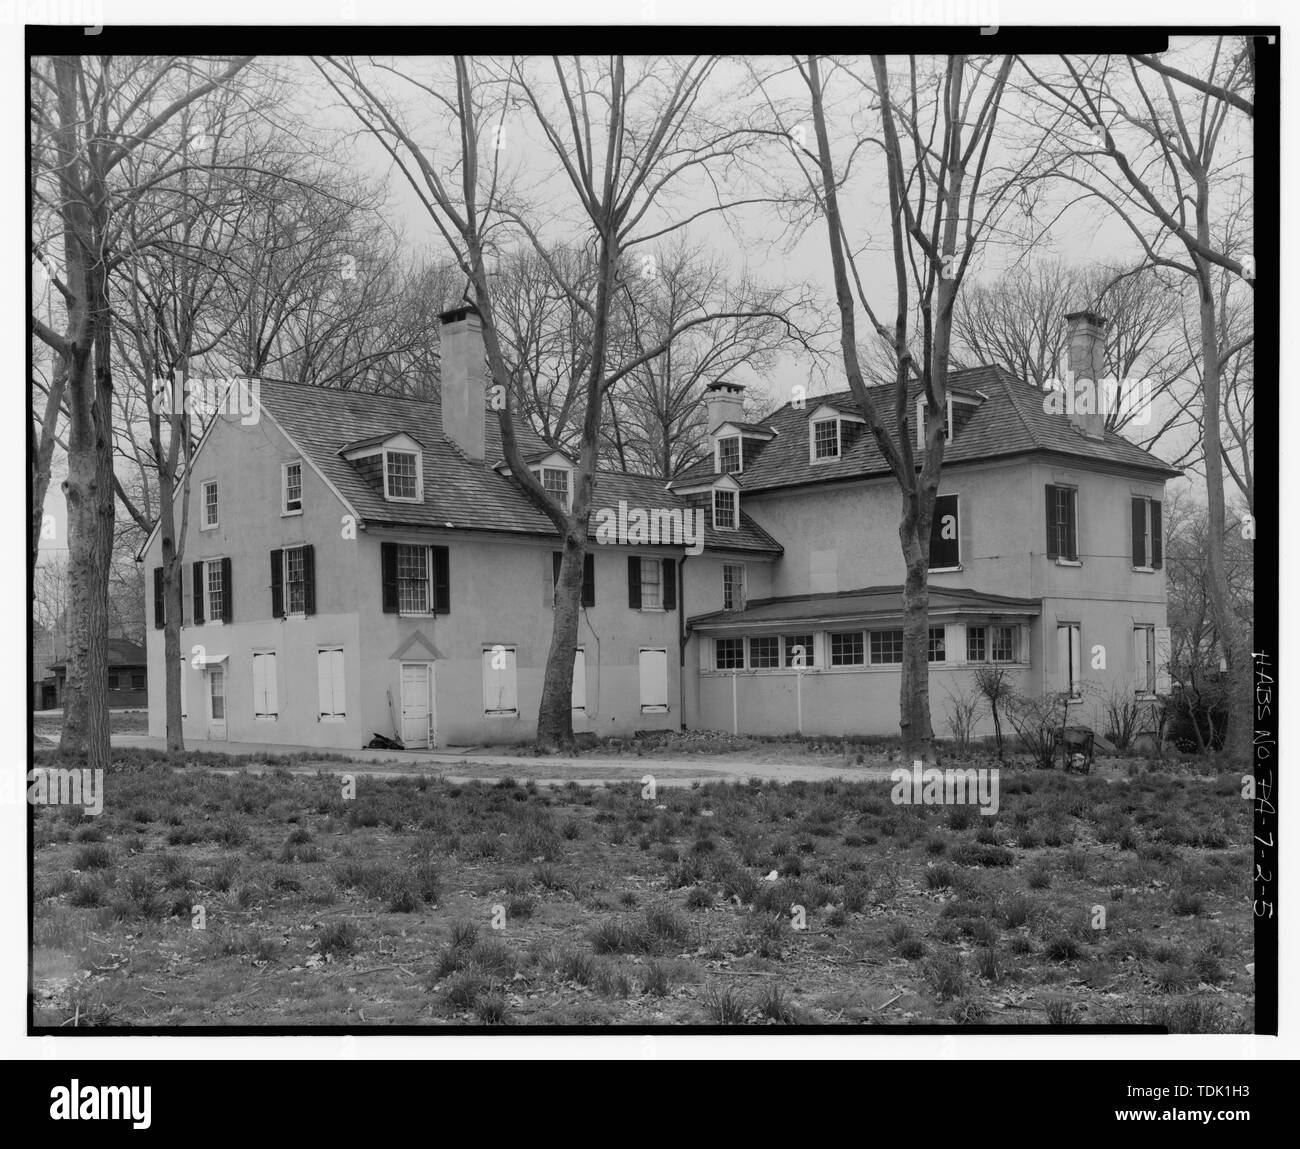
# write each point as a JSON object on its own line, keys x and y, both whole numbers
{"x": 944, "y": 973}
{"x": 93, "y": 857}
{"x": 337, "y": 938}
{"x": 654, "y": 980}
{"x": 724, "y": 1005}
{"x": 774, "y": 1005}
{"x": 938, "y": 877}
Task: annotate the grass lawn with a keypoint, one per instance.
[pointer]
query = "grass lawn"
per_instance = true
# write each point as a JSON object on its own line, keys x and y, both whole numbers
{"x": 618, "y": 909}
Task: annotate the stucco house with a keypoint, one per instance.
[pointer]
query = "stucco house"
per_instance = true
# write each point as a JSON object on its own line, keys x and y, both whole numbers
{"x": 1046, "y": 557}
{"x": 361, "y": 564}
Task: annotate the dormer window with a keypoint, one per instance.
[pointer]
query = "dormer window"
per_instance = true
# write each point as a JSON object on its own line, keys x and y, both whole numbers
{"x": 825, "y": 439}
{"x": 729, "y": 456}
{"x": 724, "y": 510}
{"x": 556, "y": 482}
{"x": 959, "y": 414}
{"x": 402, "y": 475}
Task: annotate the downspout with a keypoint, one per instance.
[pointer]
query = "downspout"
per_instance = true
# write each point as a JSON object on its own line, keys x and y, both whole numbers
{"x": 682, "y": 638}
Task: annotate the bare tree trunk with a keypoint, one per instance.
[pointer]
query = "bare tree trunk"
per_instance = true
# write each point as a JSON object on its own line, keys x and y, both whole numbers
{"x": 555, "y": 715}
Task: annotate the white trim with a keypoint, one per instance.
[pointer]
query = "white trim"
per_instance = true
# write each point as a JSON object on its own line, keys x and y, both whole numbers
{"x": 735, "y": 509}
{"x": 812, "y": 440}
{"x": 204, "y": 525}
{"x": 285, "y": 509}
{"x": 418, "y": 454}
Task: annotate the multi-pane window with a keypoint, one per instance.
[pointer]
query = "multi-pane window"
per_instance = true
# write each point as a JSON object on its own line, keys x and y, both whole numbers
{"x": 556, "y": 482}
{"x": 651, "y": 583}
{"x": 729, "y": 454}
{"x": 292, "y": 488}
{"x": 733, "y": 586}
{"x": 976, "y": 643}
{"x": 764, "y": 653}
{"x": 412, "y": 579}
{"x": 210, "y": 504}
{"x": 886, "y": 647}
{"x": 1144, "y": 650}
{"x": 729, "y": 653}
{"x": 1062, "y": 523}
{"x": 847, "y": 648}
{"x": 826, "y": 439}
{"x": 400, "y": 474}
{"x": 724, "y": 510}
{"x": 137, "y": 681}
{"x": 1003, "y": 644}
{"x": 1148, "y": 548}
{"x": 216, "y": 593}
{"x": 799, "y": 646}
{"x": 295, "y": 581}
{"x": 938, "y": 649}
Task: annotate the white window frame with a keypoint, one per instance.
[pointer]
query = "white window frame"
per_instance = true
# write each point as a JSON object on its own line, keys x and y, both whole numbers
{"x": 872, "y": 660}
{"x": 813, "y": 424}
{"x": 418, "y": 497}
{"x": 427, "y": 551}
{"x": 285, "y": 509}
{"x": 285, "y": 582}
{"x": 511, "y": 669}
{"x": 204, "y": 525}
{"x": 740, "y": 454}
{"x": 333, "y": 715}
{"x": 658, "y": 584}
{"x": 1147, "y": 537}
{"x": 269, "y": 691}
{"x": 735, "y": 509}
{"x": 920, "y": 422}
{"x": 831, "y": 664}
{"x": 1148, "y": 631}
{"x": 716, "y": 652}
{"x": 209, "y": 619}
{"x": 743, "y": 588}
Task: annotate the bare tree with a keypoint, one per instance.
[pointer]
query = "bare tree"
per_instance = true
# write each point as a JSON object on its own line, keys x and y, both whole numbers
{"x": 626, "y": 136}
{"x": 89, "y": 115}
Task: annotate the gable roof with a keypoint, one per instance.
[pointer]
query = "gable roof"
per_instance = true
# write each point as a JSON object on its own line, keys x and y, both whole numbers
{"x": 458, "y": 492}
{"x": 121, "y": 652}
{"x": 1010, "y": 421}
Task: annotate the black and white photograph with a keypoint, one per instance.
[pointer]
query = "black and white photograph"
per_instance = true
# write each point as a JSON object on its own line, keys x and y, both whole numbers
{"x": 596, "y": 527}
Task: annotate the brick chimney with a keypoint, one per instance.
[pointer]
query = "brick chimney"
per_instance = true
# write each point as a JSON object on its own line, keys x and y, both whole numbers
{"x": 463, "y": 379}
{"x": 1086, "y": 352}
{"x": 725, "y": 403}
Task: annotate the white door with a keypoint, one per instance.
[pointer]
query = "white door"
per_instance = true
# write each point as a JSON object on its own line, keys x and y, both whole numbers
{"x": 217, "y": 703}
{"x": 417, "y": 705}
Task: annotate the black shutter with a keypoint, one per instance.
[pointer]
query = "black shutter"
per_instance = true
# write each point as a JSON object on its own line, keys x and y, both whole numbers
{"x": 634, "y": 582}
{"x": 1139, "y": 507}
{"x": 309, "y": 579}
{"x": 388, "y": 572}
{"x": 1071, "y": 546}
{"x": 227, "y": 593}
{"x": 277, "y": 584}
{"x": 159, "y": 609}
{"x": 1157, "y": 543}
{"x": 441, "y": 580}
{"x": 198, "y": 593}
{"x": 670, "y": 584}
{"x": 944, "y": 552}
{"x": 589, "y": 580}
{"x": 1053, "y": 550}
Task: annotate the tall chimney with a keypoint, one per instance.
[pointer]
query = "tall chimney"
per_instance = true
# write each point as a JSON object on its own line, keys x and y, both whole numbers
{"x": 725, "y": 403}
{"x": 463, "y": 396}
{"x": 1087, "y": 364}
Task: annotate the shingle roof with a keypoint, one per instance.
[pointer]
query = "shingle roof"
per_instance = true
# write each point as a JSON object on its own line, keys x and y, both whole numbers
{"x": 458, "y": 492}
{"x": 121, "y": 652}
{"x": 879, "y": 602}
{"x": 1011, "y": 421}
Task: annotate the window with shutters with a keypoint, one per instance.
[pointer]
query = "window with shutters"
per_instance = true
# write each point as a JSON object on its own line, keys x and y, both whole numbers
{"x": 945, "y": 534}
{"x": 295, "y": 581}
{"x": 847, "y": 648}
{"x": 210, "y": 507}
{"x": 402, "y": 475}
{"x": 799, "y": 650}
{"x": 215, "y": 592}
{"x": 331, "y": 684}
{"x": 1069, "y": 658}
{"x": 412, "y": 579}
{"x": 654, "y": 681}
{"x": 588, "y": 576}
{"x": 264, "y": 684}
{"x": 651, "y": 584}
{"x": 1144, "y": 659}
{"x": 1062, "y": 524}
{"x": 500, "y": 698}
{"x": 733, "y": 586}
{"x": 1148, "y": 546}
{"x": 886, "y": 647}
{"x": 291, "y": 489}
